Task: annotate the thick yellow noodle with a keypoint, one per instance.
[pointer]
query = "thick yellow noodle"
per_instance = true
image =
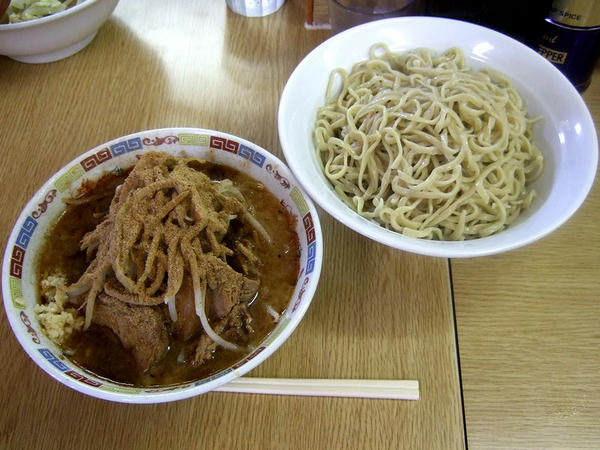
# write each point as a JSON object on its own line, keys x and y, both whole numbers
{"x": 423, "y": 145}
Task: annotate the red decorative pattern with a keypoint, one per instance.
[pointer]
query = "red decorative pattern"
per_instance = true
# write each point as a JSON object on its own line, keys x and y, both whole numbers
{"x": 18, "y": 254}
{"x": 160, "y": 140}
{"x": 83, "y": 379}
{"x": 301, "y": 294}
{"x": 307, "y": 221}
{"x": 104, "y": 155}
{"x": 286, "y": 206}
{"x": 249, "y": 357}
{"x": 97, "y": 158}
{"x": 309, "y": 226}
{"x": 42, "y": 207}
{"x": 282, "y": 180}
{"x": 227, "y": 145}
{"x": 34, "y": 337}
{"x": 16, "y": 261}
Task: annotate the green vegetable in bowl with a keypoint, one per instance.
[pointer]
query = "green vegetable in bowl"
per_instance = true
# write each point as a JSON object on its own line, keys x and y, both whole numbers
{"x": 23, "y": 10}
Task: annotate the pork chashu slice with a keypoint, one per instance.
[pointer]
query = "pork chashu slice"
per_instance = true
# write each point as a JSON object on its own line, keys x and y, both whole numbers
{"x": 141, "y": 329}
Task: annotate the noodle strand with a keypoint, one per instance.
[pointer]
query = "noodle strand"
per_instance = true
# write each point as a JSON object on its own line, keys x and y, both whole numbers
{"x": 423, "y": 145}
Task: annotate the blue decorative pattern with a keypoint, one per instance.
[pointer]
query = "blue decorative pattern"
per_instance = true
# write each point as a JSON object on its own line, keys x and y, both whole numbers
{"x": 126, "y": 146}
{"x": 251, "y": 155}
{"x": 312, "y": 253}
{"x": 27, "y": 230}
{"x": 46, "y": 353}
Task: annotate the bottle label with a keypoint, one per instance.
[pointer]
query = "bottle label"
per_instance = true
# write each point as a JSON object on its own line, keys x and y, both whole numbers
{"x": 574, "y": 51}
{"x": 576, "y": 13}
{"x": 554, "y": 56}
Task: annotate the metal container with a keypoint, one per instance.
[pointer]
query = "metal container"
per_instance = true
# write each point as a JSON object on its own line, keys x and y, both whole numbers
{"x": 570, "y": 39}
{"x": 254, "y": 8}
{"x": 576, "y": 13}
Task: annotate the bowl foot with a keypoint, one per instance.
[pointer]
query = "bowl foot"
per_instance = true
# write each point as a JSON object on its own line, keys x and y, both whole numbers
{"x": 56, "y": 55}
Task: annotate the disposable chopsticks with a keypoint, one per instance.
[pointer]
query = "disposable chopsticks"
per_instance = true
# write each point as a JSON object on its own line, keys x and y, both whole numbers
{"x": 388, "y": 389}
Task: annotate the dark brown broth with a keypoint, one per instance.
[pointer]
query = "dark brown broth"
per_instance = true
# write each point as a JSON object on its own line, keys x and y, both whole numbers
{"x": 99, "y": 350}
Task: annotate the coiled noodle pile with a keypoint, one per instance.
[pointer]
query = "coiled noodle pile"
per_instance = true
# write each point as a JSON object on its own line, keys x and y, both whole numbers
{"x": 425, "y": 146}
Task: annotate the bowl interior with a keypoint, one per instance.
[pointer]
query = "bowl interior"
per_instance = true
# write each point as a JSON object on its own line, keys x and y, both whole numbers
{"x": 19, "y": 276}
{"x": 50, "y": 18}
{"x": 565, "y": 134}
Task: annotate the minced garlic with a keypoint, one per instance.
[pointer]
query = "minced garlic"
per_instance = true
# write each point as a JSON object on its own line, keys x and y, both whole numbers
{"x": 58, "y": 321}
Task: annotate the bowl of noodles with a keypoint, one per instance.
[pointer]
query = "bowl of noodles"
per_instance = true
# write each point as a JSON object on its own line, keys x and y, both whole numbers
{"x": 161, "y": 265}
{"x": 437, "y": 136}
{"x": 42, "y": 31}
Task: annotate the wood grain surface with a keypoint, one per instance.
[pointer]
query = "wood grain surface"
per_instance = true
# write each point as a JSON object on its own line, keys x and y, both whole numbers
{"x": 529, "y": 335}
{"x": 319, "y": 10}
{"x": 378, "y": 313}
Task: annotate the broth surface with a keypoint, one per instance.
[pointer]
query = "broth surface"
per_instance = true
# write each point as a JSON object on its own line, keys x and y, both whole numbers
{"x": 100, "y": 351}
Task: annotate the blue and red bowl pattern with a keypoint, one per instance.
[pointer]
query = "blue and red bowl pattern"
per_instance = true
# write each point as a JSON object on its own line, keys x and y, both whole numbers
{"x": 105, "y": 154}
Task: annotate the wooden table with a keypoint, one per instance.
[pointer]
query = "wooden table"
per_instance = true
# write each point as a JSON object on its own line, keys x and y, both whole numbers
{"x": 528, "y": 326}
{"x": 527, "y": 321}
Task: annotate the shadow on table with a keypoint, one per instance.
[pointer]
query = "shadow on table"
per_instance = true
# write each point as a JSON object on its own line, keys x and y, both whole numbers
{"x": 368, "y": 293}
{"x": 129, "y": 79}
{"x": 257, "y": 63}
{"x": 97, "y": 98}
{"x": 261, "y": 45}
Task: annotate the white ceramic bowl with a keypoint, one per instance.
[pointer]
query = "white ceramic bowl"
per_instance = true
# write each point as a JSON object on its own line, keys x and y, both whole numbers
{"x": 56, "y": 36}
{"x": 19, "y": 276}
{"x": 566, "y": 136}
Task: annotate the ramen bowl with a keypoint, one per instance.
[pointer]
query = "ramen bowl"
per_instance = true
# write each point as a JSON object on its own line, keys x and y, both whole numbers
{"x": 19, "y": 277}
{"x": 565, "y": 134}
{"x": 56, "y": 36}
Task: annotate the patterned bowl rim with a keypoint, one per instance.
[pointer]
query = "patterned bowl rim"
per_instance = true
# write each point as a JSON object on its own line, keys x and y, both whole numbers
{"x": 211, "y": 142}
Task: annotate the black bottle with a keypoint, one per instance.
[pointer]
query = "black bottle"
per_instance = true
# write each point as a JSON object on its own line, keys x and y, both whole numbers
{"x": 569, "y": 38}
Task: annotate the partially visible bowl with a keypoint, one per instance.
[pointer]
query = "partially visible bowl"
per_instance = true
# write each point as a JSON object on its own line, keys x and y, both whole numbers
{"x": 56, "y": 36}
{"x": 19, "y": 280}
{"x": 565, "y": 135}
